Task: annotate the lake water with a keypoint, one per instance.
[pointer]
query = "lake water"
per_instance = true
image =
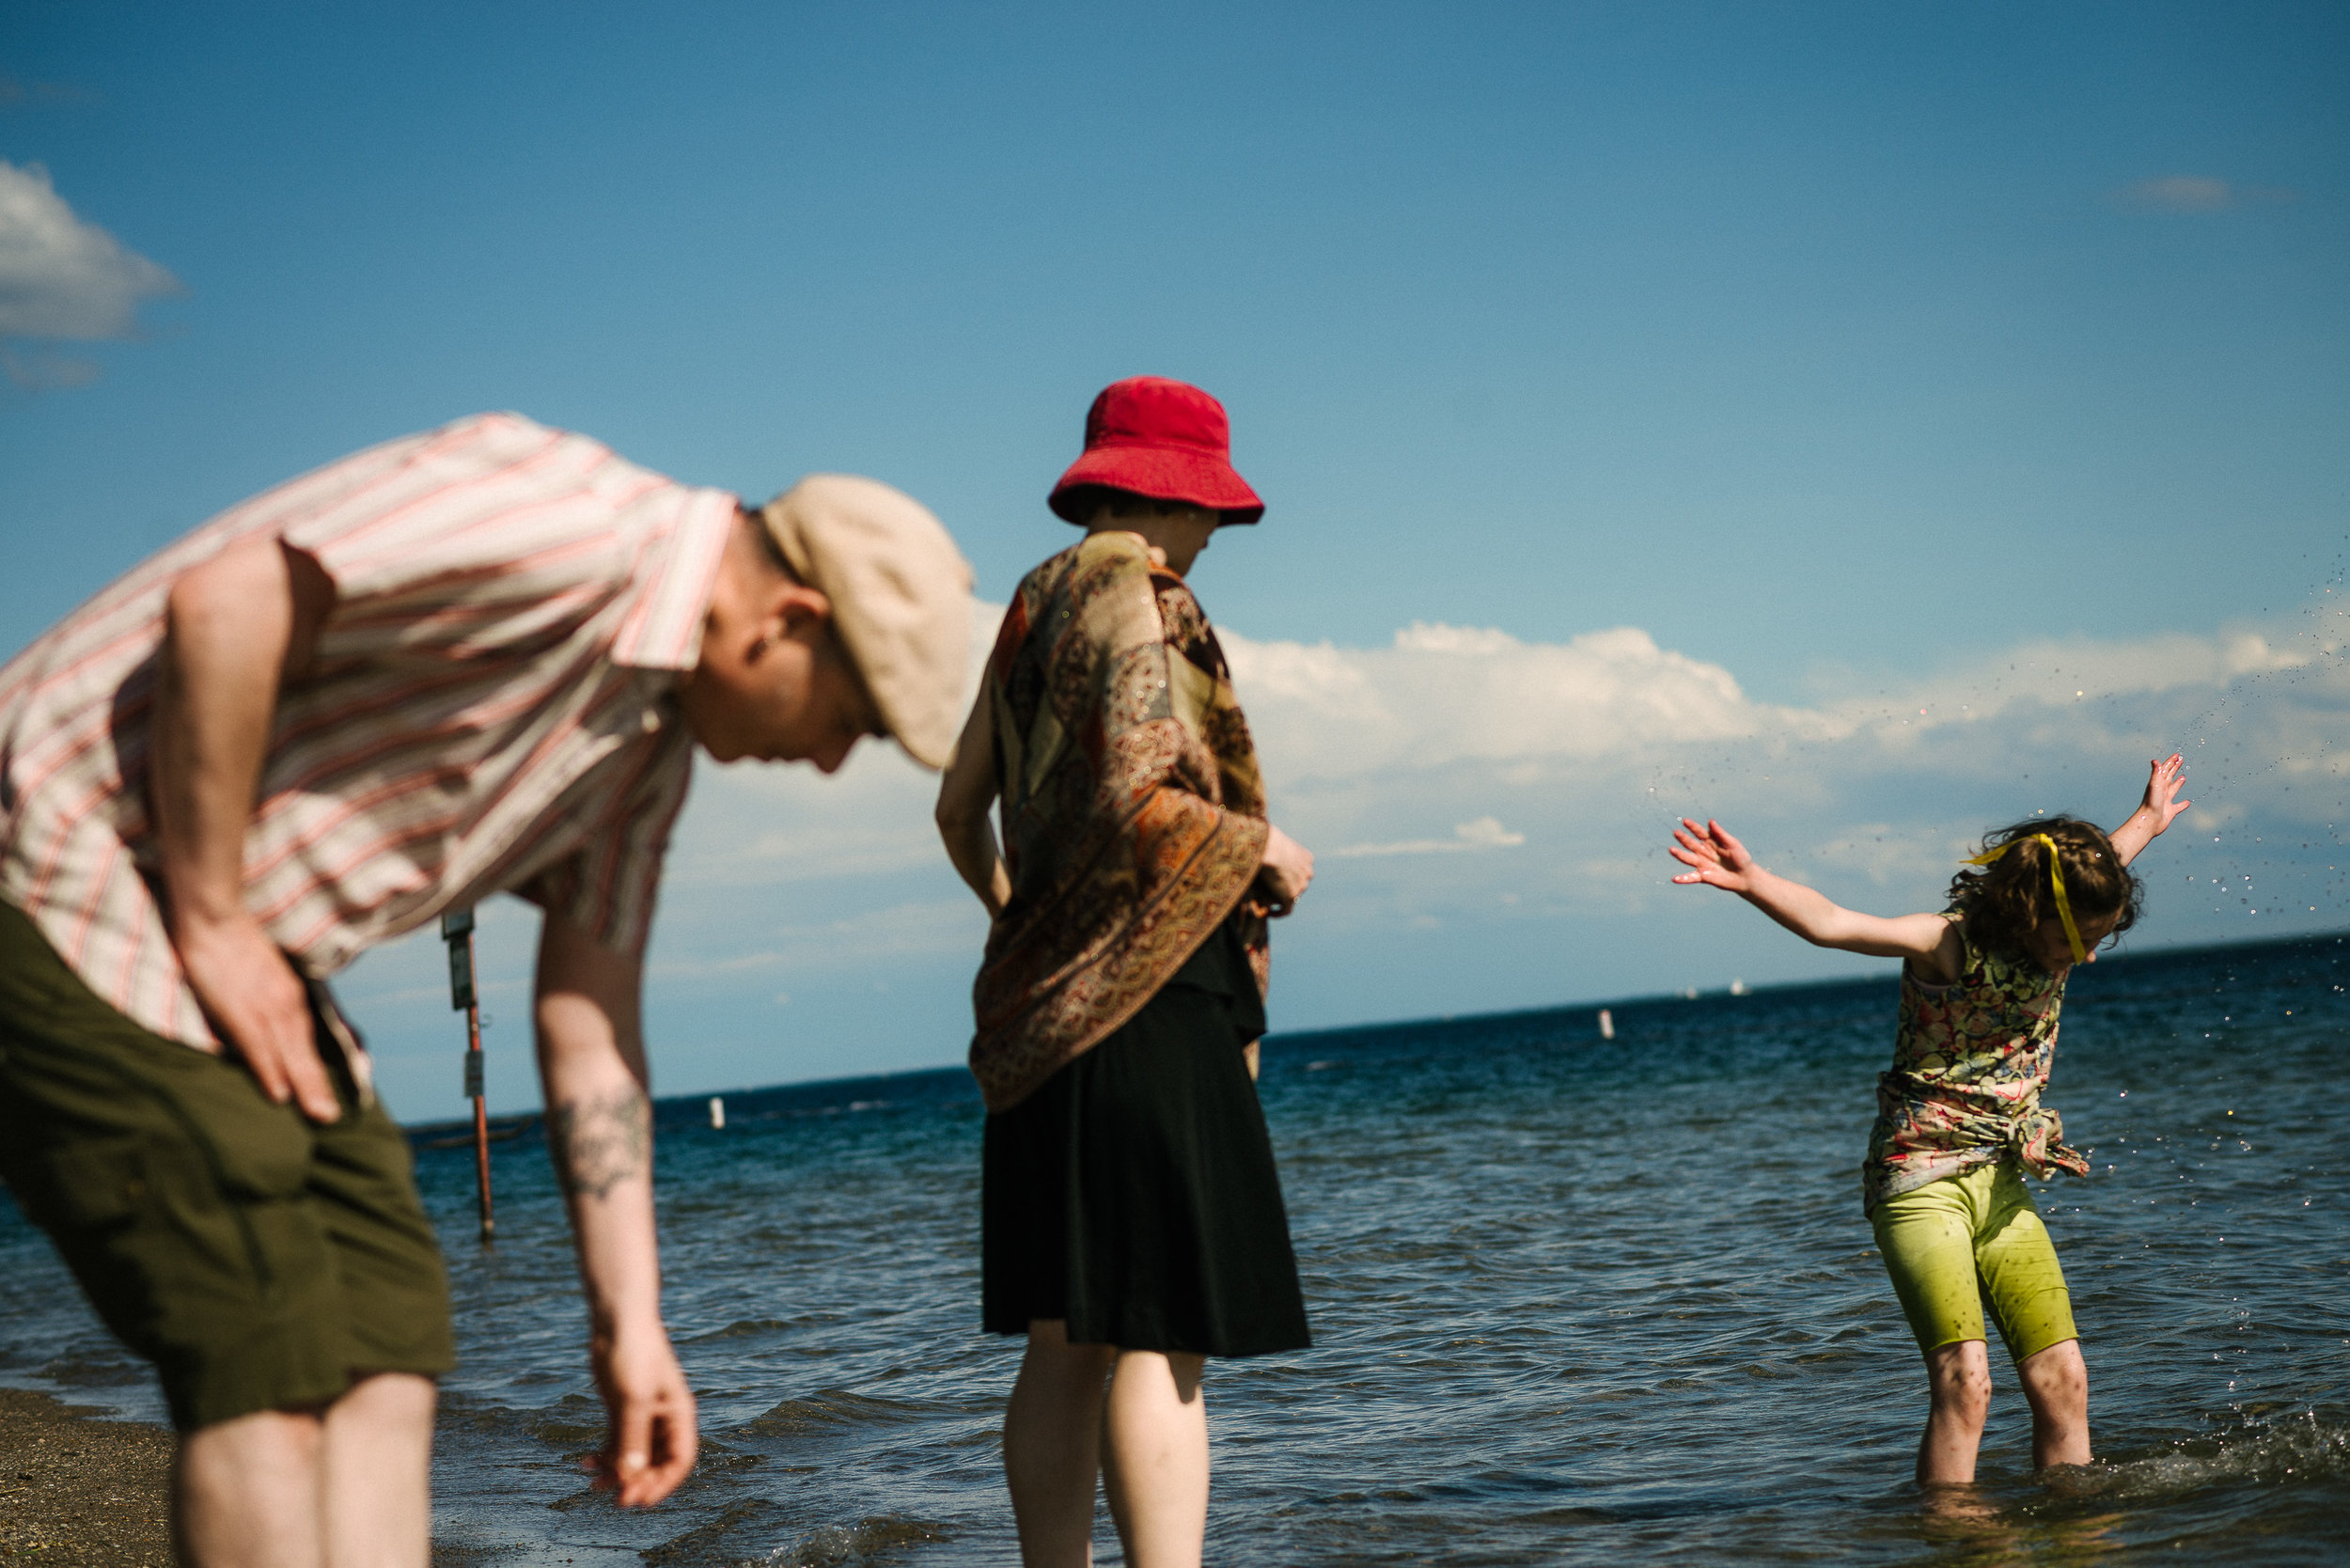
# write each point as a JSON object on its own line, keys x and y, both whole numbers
{"x": 1574, "y": 1301}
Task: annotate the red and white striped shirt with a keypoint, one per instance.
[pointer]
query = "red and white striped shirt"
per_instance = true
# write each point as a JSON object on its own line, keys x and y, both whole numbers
{"x": 490, "y": 708}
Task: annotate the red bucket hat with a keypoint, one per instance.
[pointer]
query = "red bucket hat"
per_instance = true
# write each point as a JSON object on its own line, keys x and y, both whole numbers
{"x": 1164, "y": 439}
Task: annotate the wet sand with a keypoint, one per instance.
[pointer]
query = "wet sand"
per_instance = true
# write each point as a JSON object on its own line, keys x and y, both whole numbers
{"x": 77, "y": 1489}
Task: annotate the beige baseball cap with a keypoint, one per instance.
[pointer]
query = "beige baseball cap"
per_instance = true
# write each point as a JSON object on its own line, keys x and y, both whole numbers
{"x": 901, "y": 596}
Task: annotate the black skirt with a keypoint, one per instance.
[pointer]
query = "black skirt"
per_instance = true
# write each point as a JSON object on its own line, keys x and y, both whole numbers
{"x": 1134, "y": 1195}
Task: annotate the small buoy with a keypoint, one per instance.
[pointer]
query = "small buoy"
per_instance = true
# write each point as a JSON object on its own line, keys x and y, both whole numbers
{"x": 1737, "y": 988}
{"x": 717, "y": 1111}
{"x": 1606, "y": 1025}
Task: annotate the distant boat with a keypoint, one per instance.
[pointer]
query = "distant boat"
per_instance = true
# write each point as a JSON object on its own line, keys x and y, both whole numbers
{"x": 1737, "y": 988}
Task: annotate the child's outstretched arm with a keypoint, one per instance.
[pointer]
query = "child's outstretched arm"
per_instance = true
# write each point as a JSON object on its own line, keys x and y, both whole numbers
{"x": 1718, "y": 860}
{"x": 2157, "y": 811}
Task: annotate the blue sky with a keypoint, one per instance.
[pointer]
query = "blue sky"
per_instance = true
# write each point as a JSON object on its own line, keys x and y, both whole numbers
{"x": 1847, "y": 355}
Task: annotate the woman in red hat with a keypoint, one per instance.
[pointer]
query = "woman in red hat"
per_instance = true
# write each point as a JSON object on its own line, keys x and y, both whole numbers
{"x": 1132, "y": 1217}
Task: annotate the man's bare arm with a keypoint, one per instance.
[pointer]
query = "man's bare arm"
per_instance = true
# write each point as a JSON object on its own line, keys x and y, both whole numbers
{"x": 236, "y": 628}
{"x": 592, "y": 1066}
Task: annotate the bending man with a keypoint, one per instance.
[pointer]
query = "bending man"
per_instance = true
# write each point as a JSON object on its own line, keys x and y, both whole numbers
{"x": 472, "y": 661}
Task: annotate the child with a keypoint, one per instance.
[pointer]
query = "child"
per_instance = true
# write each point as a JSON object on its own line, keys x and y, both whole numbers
{"x": 1959, "y": 1119}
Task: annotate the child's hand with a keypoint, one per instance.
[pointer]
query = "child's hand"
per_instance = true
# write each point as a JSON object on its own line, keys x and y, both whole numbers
{"x": 2163, "y": 784}
{"x": 1720, "y": 860}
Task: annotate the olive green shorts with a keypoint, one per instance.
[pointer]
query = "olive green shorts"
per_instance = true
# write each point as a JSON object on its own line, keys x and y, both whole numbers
{"x": 260, "y": 1260}
{"x": 1970, "y": 1245}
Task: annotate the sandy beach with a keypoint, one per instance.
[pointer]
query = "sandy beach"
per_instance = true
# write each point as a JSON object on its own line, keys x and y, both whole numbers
{"x": 76, "y": 1489}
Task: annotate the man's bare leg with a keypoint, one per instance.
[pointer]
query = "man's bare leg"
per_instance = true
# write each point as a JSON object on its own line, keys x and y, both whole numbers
{"x": 2056, "y": 1381}
{"x": 348, "y": 1486}
{"x": 245, "y": 1492}
{"x": 1155, "y": 1461}
{"x": 1052, "y": 1446}
{"x": 1960, "y": 1377}
{"x": 376, "y": 1473}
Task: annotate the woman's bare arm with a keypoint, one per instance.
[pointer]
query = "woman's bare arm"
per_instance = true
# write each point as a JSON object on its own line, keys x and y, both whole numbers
{"x": 966, "y": 795}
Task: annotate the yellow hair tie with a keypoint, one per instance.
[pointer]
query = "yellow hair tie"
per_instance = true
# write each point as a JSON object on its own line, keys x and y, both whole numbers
{"x": 2056, "y": 880}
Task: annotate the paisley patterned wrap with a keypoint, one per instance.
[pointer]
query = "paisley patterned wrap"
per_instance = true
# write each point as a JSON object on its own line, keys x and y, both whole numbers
{"x": 1969, "y": 1062}
{"x": 1133, "y": 815}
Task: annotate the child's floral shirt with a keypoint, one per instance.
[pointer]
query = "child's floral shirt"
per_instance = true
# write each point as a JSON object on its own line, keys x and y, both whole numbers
{"x": 1969, "y": 1062}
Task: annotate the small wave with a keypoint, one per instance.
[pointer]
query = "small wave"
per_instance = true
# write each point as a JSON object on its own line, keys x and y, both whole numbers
{"x": 92, "y": 1371}
{"x": 2299, "y": 1450}
{"x": 829, "y": 1408}
{"x": 742, "y": 1328}
{"x": 849, "y": 1545}
{"x": 719, "y": 1542}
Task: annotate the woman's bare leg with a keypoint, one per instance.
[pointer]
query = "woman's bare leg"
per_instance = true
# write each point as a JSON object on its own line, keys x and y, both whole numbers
{"x": 2056, "y": 1381}
{"x": 1052, "y": 1444}
{"x": 1155, "y": 1461}
{"x": 1960, "y": 1378}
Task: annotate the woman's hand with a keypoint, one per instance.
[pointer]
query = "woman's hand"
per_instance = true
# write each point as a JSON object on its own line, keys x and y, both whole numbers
{"x": 1720, "y": 860}
{"x": 1287, "y": 870}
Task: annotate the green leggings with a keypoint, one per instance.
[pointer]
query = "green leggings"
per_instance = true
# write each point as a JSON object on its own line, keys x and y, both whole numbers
{"x": 1973, "y": 1243}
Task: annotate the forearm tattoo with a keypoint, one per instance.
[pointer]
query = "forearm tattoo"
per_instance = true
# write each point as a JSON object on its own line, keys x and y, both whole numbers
{"x": 599, "y": 1143}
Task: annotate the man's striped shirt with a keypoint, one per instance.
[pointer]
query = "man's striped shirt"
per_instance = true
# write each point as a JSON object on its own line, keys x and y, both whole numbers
{"x": 490, "y": 708}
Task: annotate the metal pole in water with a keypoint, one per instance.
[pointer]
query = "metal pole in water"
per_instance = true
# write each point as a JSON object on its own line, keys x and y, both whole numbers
{"x": 1606, "y": 1025}
{"x": 456, "y": 931}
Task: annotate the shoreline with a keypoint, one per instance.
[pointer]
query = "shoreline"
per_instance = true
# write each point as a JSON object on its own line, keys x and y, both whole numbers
{"x": 79, "y": 1487}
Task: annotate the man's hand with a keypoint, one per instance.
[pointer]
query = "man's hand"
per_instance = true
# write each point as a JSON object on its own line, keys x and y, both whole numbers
{"x": 236, "y": 626}
{"x": 1719, "y": 859}
{"x": 591, "y": 1064}
{"x": 650, "y": 1445}
{"x": 1287, "y": 871}
{"x": 258, "y": 1007}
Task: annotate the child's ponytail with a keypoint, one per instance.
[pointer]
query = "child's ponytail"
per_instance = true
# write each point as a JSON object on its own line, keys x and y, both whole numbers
{"x": 2006, "y": 901}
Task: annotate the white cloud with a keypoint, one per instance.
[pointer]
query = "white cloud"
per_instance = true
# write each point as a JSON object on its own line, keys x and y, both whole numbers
{"x": 62, "y": 276}
{"x": 1491, "y": 814}
{"x": 46, "y": 372}
{"x": 1480, "y": 833}
{"x": 1598, "y": 742}
{"x": 2197, "y": 193}
{"x": 1441, "y": 693}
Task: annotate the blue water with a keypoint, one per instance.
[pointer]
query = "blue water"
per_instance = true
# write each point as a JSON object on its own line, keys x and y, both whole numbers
{"x": 1574, "y": 1302}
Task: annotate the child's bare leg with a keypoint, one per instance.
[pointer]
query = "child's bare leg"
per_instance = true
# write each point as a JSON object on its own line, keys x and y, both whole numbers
{"x": 2056, "y": 1381}
{"x": 1960, "y": 1377}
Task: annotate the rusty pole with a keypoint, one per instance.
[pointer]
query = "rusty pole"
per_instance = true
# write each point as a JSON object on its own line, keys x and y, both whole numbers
{"x": 456, "y": 931}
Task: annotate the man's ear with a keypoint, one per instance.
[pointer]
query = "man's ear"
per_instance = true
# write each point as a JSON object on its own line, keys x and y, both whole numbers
{"x": 796, "y": 607}
{"x": 786, "y": 609}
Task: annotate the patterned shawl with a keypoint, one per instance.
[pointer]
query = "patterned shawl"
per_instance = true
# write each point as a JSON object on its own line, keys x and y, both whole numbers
{"x": 1133, "y": 817}
{"x": 1969, "y": 1062}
